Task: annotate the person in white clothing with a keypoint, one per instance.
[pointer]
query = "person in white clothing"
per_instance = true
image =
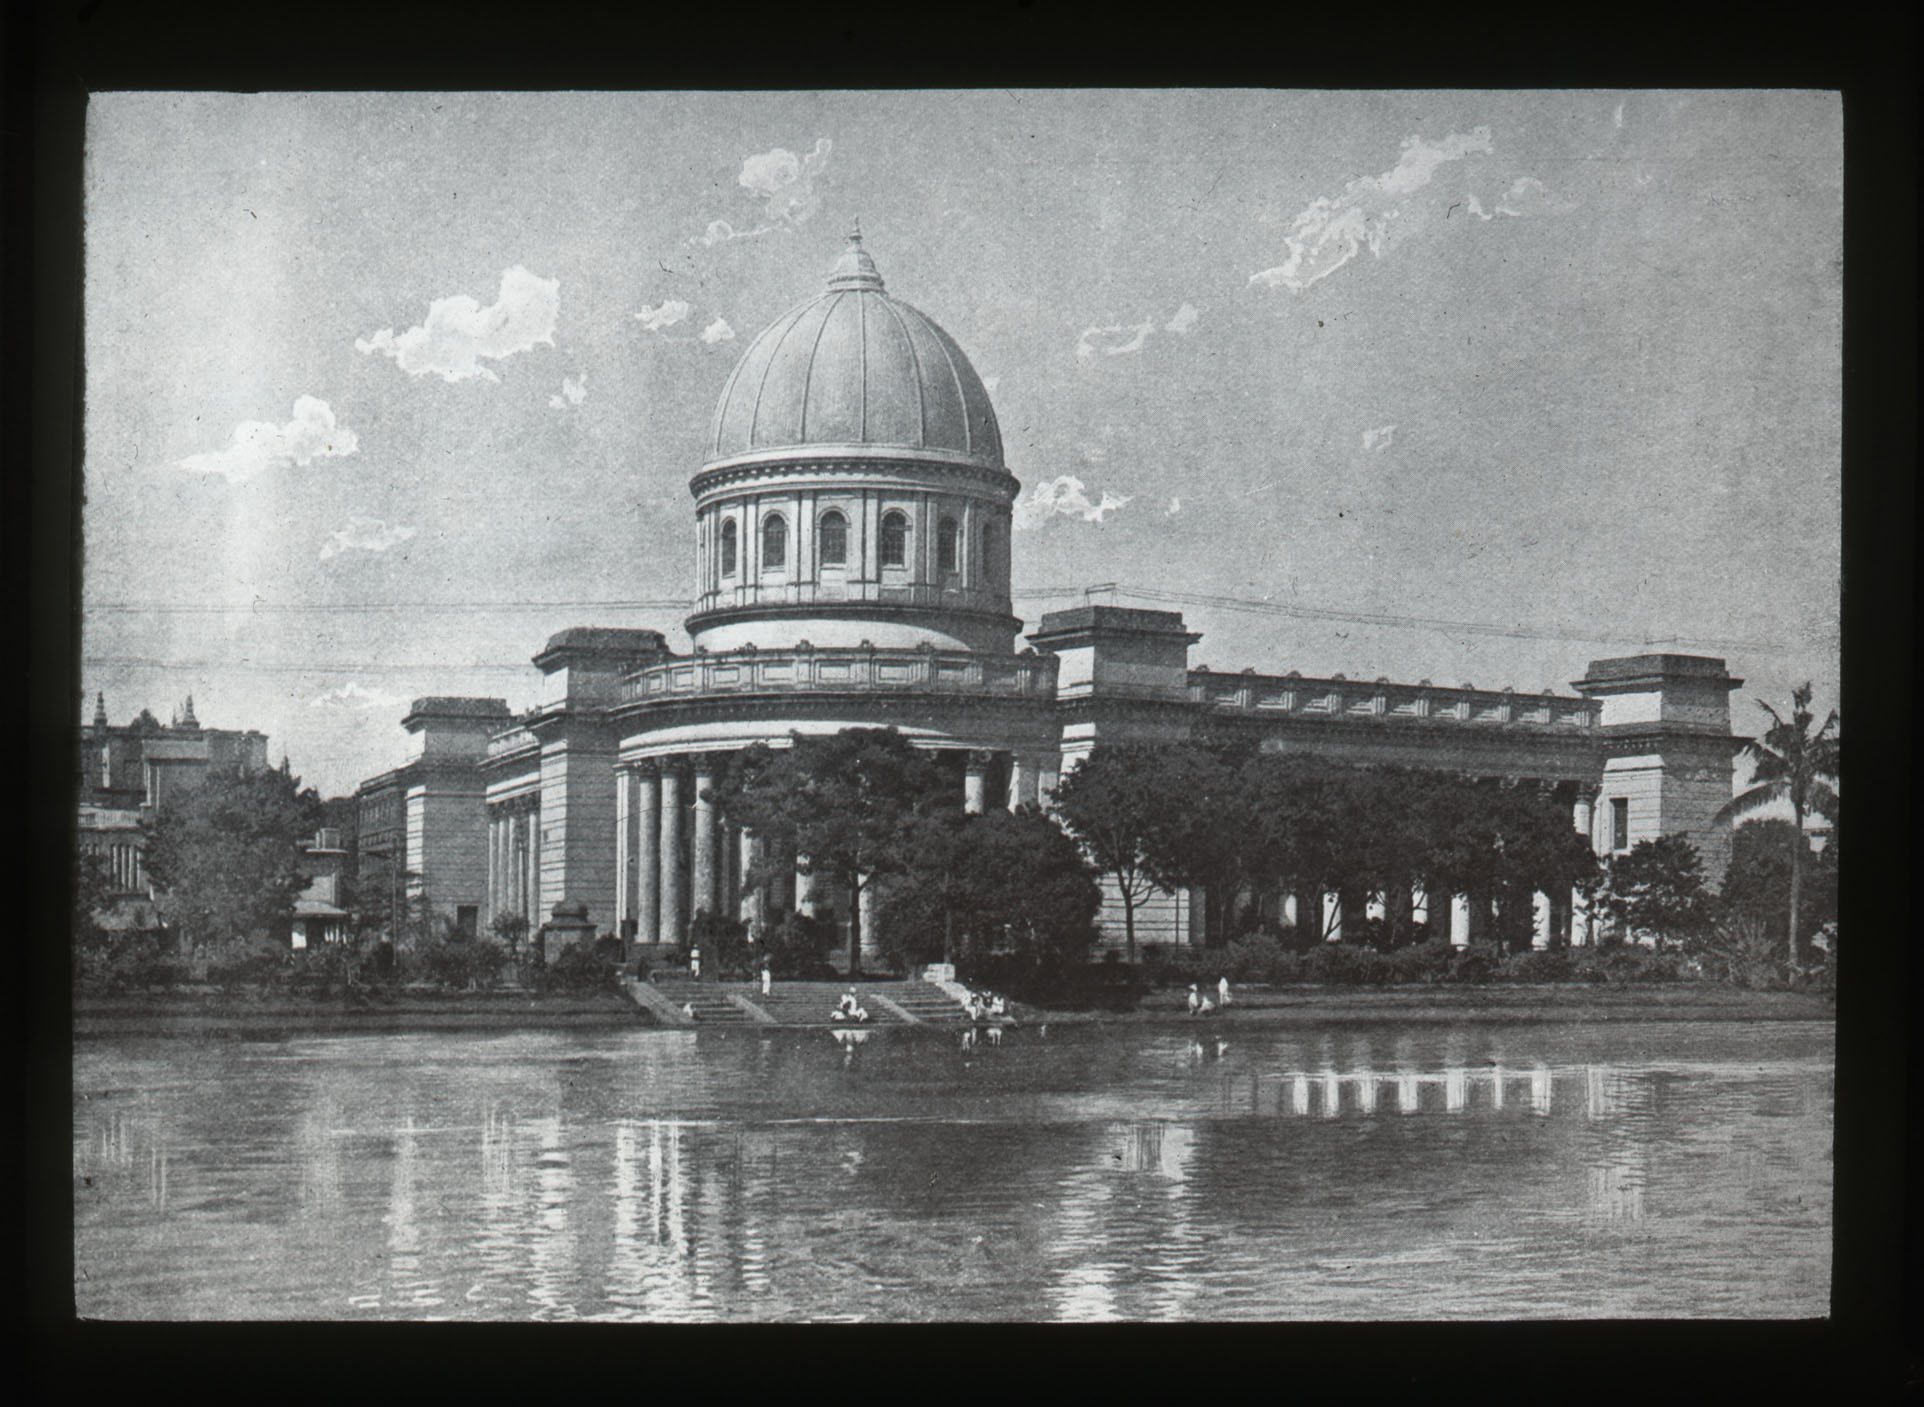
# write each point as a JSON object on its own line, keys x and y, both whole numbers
{"x": 1222, "y": 991}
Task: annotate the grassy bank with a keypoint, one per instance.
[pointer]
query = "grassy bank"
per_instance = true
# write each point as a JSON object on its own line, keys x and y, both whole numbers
{"x": 210, "y": 1012}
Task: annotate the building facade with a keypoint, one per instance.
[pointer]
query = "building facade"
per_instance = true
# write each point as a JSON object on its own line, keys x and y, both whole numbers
{"x": 126, "y": 771}
{"x": 852, "y": 537}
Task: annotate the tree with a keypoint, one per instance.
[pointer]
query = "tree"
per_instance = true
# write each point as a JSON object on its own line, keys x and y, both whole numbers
{"x": 842, "y": 804}
{"x": 1113, "y": 803}
{"x": 1792, "y": 762}
{"x": 1203, "y": 835}
{"x": 1001, "y": 883}
{"x": 1758, "y": 880}
{"x": 225, "y": 858}
{"x": 1657, "y": 887}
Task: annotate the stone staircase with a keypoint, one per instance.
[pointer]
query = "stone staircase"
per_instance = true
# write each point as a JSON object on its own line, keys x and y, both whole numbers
{"x": 912, "y": 1003}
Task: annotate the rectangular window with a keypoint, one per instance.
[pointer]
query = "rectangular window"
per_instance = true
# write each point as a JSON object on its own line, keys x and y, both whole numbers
{"x": 466, "y": 918}
{"x": 1619, "y": 823}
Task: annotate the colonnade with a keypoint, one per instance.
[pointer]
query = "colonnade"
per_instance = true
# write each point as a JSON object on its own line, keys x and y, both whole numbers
{"x": 514, "y": 860}
{"x": 677, "y": 855}
{"x": 1550, "y": 914}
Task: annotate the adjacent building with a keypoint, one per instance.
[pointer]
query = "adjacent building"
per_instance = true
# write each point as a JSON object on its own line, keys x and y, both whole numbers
{"x": 852, "y": 532}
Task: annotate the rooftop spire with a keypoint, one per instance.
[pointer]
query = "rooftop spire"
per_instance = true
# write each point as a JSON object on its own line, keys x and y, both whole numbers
{"x": 100, "y": 710}
{"x": 855, "y": 269}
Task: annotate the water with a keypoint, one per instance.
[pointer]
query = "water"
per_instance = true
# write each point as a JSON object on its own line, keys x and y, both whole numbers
{"x": 1358, "y": 1171}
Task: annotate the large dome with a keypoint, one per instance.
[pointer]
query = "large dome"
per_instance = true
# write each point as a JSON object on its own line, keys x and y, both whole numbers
{"x": 855, "y": 368}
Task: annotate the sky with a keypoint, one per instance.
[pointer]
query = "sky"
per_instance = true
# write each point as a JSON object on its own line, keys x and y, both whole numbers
{"x": 382, "y": 390}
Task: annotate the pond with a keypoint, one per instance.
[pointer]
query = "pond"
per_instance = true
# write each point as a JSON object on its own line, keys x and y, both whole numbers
{"x": 1365, "y": 1170}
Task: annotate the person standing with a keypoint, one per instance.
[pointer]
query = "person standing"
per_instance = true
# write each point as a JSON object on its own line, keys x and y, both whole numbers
{"x": 694, "y": 964}
{"x": 768, "y": 978}
{"x": 1222, "y": 991}
{"x": 1195, "y": 1000}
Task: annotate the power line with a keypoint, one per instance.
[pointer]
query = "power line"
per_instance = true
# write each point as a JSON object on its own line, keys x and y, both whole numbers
{"x": 371, "y": 607}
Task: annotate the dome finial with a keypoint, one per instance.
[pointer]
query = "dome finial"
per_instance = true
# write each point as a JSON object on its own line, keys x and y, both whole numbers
{"x": 855, "y": 269}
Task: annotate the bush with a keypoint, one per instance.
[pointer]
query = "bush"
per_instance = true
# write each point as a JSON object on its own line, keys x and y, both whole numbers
{"x": 1479, "y": 962}
{"x": 460, "y": 964}
{"x": 1260, "y": 958}
{"x": 796, "y": 949}
{"x": 1428, "y": 961}
{"x": 128, "y": 962}
{"x": 1547, "y": 965}
{"x": 1628, "y": 963}
{"x": 1346, "y": 965}
{"x": 243, "y": 963}
{"x": 578, "y": 968}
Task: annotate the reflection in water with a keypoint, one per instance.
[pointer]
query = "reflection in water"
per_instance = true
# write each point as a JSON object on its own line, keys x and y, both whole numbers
{"x": 1100, "y": 1175}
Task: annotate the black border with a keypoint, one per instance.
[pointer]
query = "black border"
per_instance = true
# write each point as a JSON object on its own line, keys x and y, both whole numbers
{"x": 57, "y": 52}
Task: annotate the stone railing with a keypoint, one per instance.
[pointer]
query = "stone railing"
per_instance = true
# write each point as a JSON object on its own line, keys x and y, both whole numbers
{"x": 1294, "y": 696}
{"x": 842, "y": 670}
{"x": 510, "y": 741}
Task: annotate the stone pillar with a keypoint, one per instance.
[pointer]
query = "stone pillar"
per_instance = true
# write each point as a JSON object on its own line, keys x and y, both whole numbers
{"x": 1021, "y": 782}
{"x": 973, "y": 782}
{"x": 871, "y": 938}
{"x": 1419, "y": 905}
{"x": 648, "y": 857}
{"x": 674, "y": 915}
{"x": 1333, "y": 915}
{"x": 804, "y": 888}
{"x": 1580, "y": 934}
{"x": 706, "y": 871}
{"x": 1541, "y": 925}
{"x": 1582, "y": 817}
{"x": 1459, "y": 920}
{"x": 624, "y": 848}
{"x": 1289, "y": 909}
{"x": 753, "y": 908}
{"x": 1376, "y": 907}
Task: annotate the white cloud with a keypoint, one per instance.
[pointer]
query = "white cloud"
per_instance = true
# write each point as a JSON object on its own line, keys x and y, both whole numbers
{"x": 720, "y": 232}
{"x": 355, "y": 696}
{"x": 364, "y": 535}
{"x": 1064, "y": 495}
{"x": 1525, "y": 195}
{"x": 260, "y": 445}
{"x": 1328, "y": 233}
{"x": 1382, "y": 437}
{"x": 718, "y": 331}
{"x": 574, "y": 390}
{"x": 785, "y": 182}
{"x": 1113, "y": 341}
{"x": 668, "y": 314}
{"x": 1184, "y": 319}
{"x": 1175, "y": 507}
{"x": 459, "y": 331}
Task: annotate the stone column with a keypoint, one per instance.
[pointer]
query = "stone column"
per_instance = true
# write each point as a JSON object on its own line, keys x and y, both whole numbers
{"x": 674, "y": 918}
{"x": 1376, "y": 906}
{"x": 753, "y": 910}
{"x": 1580, "y": 933}
{"x": 648, "y": 855}
{"x": 1419, "y": 905}
{"x": 1333, "y": 915}
{"x": 804, "y": 888}
{"x": 702, "y": 895}
{"x": 1289, "y": 909}
{"x": 871, "y": 937}
{"x": 1459, "y": 920}
{"x": 1582, "y": 817}
{"x": 973, "y": 782}
{"x": 1022, "y": 782}
{"x": 624, "y": 847}
{"x": 1541, "y": 924}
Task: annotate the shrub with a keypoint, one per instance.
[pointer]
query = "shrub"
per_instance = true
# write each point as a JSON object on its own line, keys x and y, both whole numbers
{"x": 460, "y": 964}
{"x": 578, "y": 968}
{"x": 244, "y": 963}
{"x": 1344, "y": 964}
{"x": 1479, "y": 962}
{"x": 1547, "y": 965}
{"x": 1630, "y": 962}
{"x": 1421, "y": 962}
{"x": 1259, "y": 958}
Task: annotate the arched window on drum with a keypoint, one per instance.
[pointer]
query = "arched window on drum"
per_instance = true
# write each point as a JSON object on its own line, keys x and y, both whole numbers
{"x": 947, "y": 538}
{"x": 774, "y": 543}
{"x": 895, "y": 539}
{"x": 728, "y": 547}
{"x": 833, "y": 540}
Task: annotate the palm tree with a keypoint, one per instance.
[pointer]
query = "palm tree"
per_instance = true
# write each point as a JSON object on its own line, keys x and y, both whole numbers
{"x": 1790, "y": 762}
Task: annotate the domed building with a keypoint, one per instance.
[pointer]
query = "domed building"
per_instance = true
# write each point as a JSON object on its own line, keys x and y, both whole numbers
{"x": 852, "y": 548}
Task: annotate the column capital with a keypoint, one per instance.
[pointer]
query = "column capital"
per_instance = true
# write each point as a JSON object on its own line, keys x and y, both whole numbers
{"x": 980, "y": 759}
